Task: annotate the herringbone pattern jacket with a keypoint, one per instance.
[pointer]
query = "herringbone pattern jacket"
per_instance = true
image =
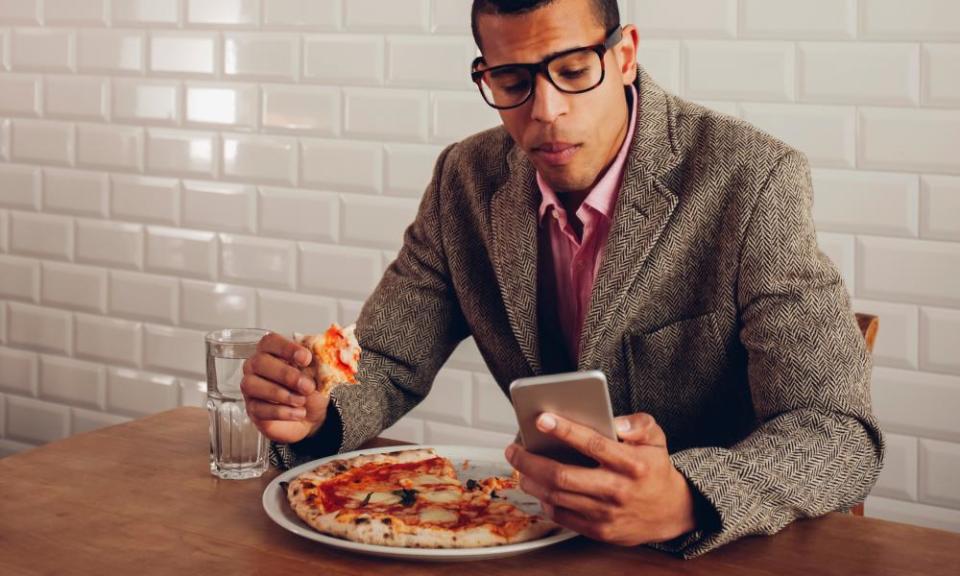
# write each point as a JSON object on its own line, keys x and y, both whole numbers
{"x": 713, "y": 310}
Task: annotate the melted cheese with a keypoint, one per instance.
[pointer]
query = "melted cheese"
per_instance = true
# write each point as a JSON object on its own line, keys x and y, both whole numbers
{"x": 441, "y": 496}
{"x": 376, "y": 497}
{"x": 431, "y": 479}
{"x": 437, "y": 515}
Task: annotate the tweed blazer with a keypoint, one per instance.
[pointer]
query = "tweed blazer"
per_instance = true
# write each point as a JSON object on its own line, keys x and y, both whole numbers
{"x": 713, "y": 310}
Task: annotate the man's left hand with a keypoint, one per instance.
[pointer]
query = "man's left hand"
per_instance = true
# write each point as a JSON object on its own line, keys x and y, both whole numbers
{"x": 634, "y": 497}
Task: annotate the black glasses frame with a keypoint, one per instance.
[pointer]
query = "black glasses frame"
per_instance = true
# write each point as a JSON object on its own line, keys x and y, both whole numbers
{"x": 613, "y": 38}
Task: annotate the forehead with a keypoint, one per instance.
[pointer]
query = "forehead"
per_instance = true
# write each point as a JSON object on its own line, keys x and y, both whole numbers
{"x": 534, "y": 35}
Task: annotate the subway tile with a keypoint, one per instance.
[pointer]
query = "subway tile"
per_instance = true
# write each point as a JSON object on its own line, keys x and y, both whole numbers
{"x": 939, "y": 205}
{"x": 812, "y": 19}
{"x": 144, "y": 296}
{"x": 926, "y": 20}
{"x": 687, "y": 18}
{"x": 231, "y": 106}
{"x": 898, "y": 478}
{"x": 174, "y": 350}
{"x": 407, "y": 429}
{"x": 348, "y": 311}
{"x": 88, "y": 420}
{"x": 182, "y": 252}
{"x": 467, "y": 357}
{"x": 46, "y": 50}
{"x": 940, "y": 340}
{"x": 358, "y": 270}
{"x": 939, "y": 473}
{"x": 932, "y": 135}
{"x": 42, "y": 141}
{"x": 110, "y": 243}
{"x": 137, "y": 393}
{"x": 386, "y": 114}
{"x": 146, "y": 101}
{"x": 184, "y": 53}
{"x": 110, "y": 146}
{"x": 20, "y": 12}
{"x": 917, "y": 403}
{"x": 441, "y": 433}
{"x": 261, "y": 56}
{"x": 409, "y": 168}
{"x": 5, "y": 128}
{"x": 145, "y": 198}
{"x": 41, "y": 235}
{"x": 661, "y": 59}
{"x": 374, "y": 221}
{"x": 18, "y": 371}
{"x": 39, "y": 328}
{"x": 72, "y": 382}
{"x": 449, "y": 400}
{"x": 456, "y": 115}
{"x": 387, "y": 15}
{"x": 915, "y": 271}
{"x": 840, "y": 248}
{"x": 492, "y": 408}
{"x": 864, "y": 73}
{"x": 898, "y": 334}
{"x": 268, "y": 159}
{"x": 78, "y": 12}
{"x": 826, "y": 134}
{"x": 19, "y": 278}
{"x": 307, "y": 14}
{"x": 912, "y": 513}
{"x": 223, "y": 12}
{"x": 739, "y": 70}
{"x": 299, "y": 214}
{"x": 4, "y": 226}
{"x": 343, "y": 59}
{"x": 311, "y": 110}
{"x": 111, "y": 51}
{"x": 145, "y": 12}
{"x": 182, "y": 153}
{"x": 193, "y": 393}
{"x": 36, "y": 421}
{"x": 840, "y": 195}
{"x": 941, "y": 83}
{"x": 20, "y": 187}
{"x": 107, "y": 339}
{"x": 286, "y": 313}
{"x": 342, "y": 165}
{"x": 219, "y": 206}
{"x": 76, "y": 97}
{"x": 11, "y": 447}
{"x": 259, "y": 261}
{"x": 20, "y": 94}
{"x": 450, "y": 16}
{"x": 210, "y": 306}
{"x": 75, "y": 287}
{"x": 430, "y": 61}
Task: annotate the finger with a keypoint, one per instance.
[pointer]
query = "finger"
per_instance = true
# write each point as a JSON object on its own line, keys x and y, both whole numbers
{"x": 585, "y": 505}
{"x": 640, "y": 428}
{"x": 264, "y": 411}
{"x": 593, "y": 482}
{"x": 254, "y": 387}
{"x": 572, "y": 520}
{"x": 276, "y": 370}
{"x": 588, "y": 442}
{"x": 284, "y": 348}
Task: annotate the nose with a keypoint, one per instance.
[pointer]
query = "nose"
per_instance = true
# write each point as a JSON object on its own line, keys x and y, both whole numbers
{"x": 548, "y": 102}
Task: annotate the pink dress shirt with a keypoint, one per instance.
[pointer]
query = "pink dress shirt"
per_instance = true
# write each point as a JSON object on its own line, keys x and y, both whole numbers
{"x": 575, "y": 261}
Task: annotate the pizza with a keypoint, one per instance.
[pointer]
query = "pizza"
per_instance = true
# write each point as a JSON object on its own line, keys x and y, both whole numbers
{"x": 410, "y": 498}
{"x": 336, "y": 356}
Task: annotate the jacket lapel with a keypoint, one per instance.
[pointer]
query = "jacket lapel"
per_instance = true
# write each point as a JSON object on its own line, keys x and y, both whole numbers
{"x": 644, "y": 207}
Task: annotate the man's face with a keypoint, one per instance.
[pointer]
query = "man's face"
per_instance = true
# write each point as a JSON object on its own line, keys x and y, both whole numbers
{"x": 570, "y": 138}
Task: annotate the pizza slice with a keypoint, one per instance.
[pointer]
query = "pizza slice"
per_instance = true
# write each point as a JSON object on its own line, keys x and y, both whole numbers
{"x": 336, "y": 356}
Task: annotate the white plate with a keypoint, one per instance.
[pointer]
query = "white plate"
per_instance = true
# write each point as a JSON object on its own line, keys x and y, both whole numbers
{"x": 480, "y": 463}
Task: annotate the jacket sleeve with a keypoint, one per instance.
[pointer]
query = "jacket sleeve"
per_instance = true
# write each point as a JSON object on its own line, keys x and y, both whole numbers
{"x": 407, "y": 329}
{"x": 817, "y": 446}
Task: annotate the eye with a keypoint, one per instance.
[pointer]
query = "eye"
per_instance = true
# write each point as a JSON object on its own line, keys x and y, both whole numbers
{"x": 573, "y": 73}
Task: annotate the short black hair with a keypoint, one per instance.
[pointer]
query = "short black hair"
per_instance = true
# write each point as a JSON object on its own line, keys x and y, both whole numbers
{"x": 606, "y": 11}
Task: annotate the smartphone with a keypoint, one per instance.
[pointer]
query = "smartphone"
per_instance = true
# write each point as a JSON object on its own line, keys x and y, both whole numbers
{"x": 580, "y": 397}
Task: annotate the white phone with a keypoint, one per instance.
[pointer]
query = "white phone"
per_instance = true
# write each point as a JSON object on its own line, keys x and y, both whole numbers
{"x": 580, "y": 397}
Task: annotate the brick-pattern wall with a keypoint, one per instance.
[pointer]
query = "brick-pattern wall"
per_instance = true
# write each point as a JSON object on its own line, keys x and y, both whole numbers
{"x": 173, "y": 166}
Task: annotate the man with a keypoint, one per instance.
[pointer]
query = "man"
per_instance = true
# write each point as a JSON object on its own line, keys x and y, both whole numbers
{"x": 610, "y": 225}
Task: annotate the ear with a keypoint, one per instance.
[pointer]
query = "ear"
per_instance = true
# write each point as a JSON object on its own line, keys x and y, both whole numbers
{"x": 626, "y": 54}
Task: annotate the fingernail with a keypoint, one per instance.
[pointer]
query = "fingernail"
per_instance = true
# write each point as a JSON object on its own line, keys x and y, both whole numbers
{"x": 511, "y": 450}
{"x": 297, "y": 400}
{"x": 306, "y": 386}
{"x": 546, "y": 422}
{"x": 623, "y": 425}
{"x": 299, "y": 413}
{"x": 302, "y": 357}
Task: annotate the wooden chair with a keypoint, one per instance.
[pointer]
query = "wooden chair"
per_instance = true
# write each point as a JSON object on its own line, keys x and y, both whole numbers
{"x": 868, "y": 327}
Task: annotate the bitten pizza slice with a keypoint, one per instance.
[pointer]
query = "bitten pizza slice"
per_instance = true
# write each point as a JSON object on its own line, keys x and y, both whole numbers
{"x": 336, "y": 356}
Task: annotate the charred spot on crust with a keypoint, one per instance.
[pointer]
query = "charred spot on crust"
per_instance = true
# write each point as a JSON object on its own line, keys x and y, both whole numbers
{"x": 472, "y": 484}
{"x": 386, "y": 520}
{"x": 340, "y": 467}
{"x": 284, "y": 485}
{"x": 361, "y": 520}
{"x": 308, "y": 485}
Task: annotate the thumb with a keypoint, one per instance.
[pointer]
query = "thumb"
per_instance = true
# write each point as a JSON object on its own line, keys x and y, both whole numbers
{"x": 640, "y": 429}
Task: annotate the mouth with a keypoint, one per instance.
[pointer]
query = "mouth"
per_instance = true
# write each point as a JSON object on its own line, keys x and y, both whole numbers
{"x": 556, "y": 153}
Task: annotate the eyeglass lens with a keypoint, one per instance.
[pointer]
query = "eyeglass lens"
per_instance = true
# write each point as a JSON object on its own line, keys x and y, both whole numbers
{"x": 574, "y": 72}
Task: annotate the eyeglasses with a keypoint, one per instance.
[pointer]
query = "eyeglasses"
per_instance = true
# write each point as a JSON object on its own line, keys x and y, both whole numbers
{"x": 573, "y": 71}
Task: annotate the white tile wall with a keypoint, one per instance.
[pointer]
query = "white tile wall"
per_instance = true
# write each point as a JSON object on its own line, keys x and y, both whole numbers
{"x": 169, "y": 166}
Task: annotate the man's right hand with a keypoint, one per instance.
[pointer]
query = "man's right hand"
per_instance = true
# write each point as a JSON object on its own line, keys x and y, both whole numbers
{"x": 281, "y": 401}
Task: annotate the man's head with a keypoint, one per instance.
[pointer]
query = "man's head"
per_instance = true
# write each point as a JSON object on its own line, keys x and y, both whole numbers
{"x": 570, "y": 138}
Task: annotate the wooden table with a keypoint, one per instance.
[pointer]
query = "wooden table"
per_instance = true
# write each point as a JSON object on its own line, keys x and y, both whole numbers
{"x": 138, "y": 498}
